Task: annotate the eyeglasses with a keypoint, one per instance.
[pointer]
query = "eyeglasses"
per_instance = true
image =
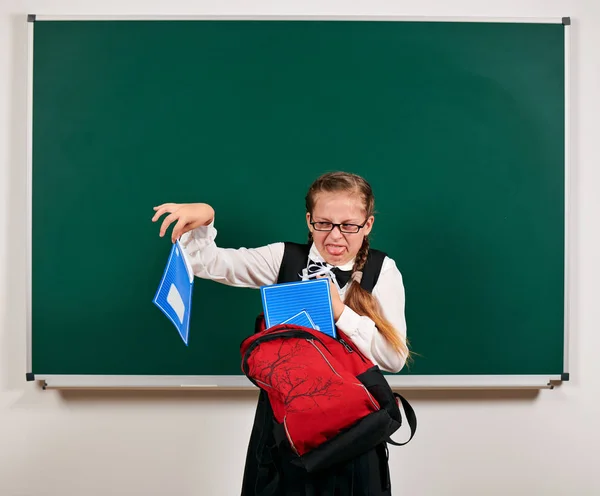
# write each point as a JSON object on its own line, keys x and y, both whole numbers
{"x": 344, "y": 228}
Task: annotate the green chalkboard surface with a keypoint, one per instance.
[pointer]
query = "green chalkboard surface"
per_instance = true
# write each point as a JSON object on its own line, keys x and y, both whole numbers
{"x": 459, "y": 127}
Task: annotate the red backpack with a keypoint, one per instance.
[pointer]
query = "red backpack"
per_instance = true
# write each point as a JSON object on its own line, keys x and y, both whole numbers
{"x": 330, "y": 402}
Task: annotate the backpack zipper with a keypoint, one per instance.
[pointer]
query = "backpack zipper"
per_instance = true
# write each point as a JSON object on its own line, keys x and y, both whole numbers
{"x": 375, "y": 404}
{"x": 346, "y": 345}
{"x": 287, "y": 433}
{"x": 312, "y": 341}
{"x": 349, "y": 349}
{"x": 263, "y": 383}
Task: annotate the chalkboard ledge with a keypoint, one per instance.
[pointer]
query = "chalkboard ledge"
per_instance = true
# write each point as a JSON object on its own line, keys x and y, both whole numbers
{"x": 240, "y": 382}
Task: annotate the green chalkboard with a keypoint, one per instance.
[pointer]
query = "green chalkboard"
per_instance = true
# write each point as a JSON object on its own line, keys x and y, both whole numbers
{"x": 459, "y": 127}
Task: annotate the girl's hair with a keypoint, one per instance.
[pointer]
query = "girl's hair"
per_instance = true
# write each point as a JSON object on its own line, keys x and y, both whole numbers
{"x": 357, "y": 298}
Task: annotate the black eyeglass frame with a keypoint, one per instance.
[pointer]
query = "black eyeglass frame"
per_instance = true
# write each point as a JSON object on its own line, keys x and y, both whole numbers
{"x": 339, "y": 226}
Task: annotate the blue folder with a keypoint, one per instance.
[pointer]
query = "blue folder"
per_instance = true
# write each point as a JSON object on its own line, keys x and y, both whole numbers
{"x": 174, "y": 293}
{"x": 282, "y": 302}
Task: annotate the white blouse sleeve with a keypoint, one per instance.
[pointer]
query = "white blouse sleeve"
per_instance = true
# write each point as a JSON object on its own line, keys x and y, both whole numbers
{"x": 389, "y": 292}
{"x": 242, "y": 267}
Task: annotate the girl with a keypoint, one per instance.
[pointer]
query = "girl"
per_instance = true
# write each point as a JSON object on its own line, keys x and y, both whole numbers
{"x": 339, "y": 216}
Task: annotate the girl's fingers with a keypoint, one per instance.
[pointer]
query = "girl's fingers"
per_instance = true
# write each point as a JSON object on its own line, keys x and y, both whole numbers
{"x": 164, "y": 205}
{"x": 159, "y": 211}
{"x": 178, "y": 229}
{"x": 162, "y": 209}
{"x": 166, "y": 223}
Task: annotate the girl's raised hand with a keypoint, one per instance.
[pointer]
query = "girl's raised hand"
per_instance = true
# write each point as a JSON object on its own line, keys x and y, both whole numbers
{"x": 188, "y": 216}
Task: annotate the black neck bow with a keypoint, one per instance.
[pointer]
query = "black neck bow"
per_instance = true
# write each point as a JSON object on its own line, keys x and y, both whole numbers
{"x": 321, "y": 268}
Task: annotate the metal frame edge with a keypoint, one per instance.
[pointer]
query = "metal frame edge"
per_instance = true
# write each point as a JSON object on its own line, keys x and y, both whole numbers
{"x": 304, "y": 17}
{"x": 29, "y": 197}
{"x": 567, "y": 193}
{"x": 241, "y": 382}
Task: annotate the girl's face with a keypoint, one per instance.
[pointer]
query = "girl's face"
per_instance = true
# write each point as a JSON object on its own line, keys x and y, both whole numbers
{"x": 335, "y": 247}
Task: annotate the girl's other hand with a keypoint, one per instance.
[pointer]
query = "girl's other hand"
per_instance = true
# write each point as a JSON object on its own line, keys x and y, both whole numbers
{"x": 337, "y": 304}
{"x": 188, "y": 216}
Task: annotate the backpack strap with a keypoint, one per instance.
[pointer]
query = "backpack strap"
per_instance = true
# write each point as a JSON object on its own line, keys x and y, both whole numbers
{"x": 295, "y": 257}
{"x": 410, "y": 417}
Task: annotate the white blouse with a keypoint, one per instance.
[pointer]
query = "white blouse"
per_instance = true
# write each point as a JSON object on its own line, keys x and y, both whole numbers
{"x": 255, "y": 267}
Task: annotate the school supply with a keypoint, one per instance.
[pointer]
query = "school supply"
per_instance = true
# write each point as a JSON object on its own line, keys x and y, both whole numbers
{"x": 302, "y": 319}
{"x": 174, "y": 293}
{"x": 330, "y": 403}
{"x": 284, "y": 301}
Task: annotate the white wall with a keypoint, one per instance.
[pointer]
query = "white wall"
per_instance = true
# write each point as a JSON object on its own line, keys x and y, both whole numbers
{"x": 152, "y": 443}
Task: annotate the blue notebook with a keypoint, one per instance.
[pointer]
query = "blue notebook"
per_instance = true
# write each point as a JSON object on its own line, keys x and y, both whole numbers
{"x": 302, "y": 319}
{"x": 174, "y": 293}
{"x": 286, "y": 301}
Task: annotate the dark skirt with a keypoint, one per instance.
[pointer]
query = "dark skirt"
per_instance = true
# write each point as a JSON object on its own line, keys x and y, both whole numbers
{"x": 269, "y": 471}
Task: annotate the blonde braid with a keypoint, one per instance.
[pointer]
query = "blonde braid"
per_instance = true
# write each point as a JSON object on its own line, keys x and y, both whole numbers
{"x": 361, "y": 256}
{"x": 364, "y": 303}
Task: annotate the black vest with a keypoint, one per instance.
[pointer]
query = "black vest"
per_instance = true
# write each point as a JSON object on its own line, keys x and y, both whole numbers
{"x": 295, "y": 258}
